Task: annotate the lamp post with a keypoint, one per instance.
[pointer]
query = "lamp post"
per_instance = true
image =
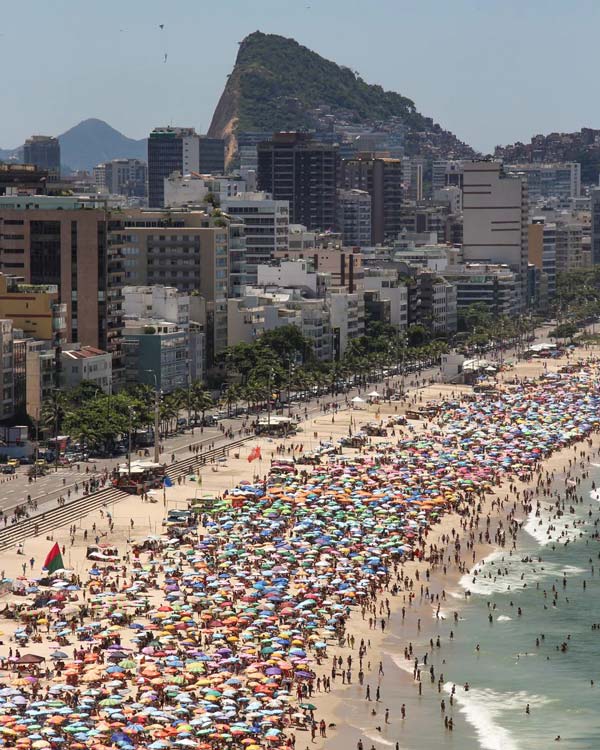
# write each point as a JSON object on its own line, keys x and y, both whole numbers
{"x": 269, "y": 398}
{"x": 156, "y": 417}
{"x": 130, "y": 426}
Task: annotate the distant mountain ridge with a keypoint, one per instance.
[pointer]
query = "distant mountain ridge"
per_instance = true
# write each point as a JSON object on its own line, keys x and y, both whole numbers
{"x": 277, "y": 84}
{"x": 89, "y": 143}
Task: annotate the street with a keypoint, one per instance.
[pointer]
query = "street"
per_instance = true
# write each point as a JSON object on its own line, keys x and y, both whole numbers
{"x": 46, "y": 490}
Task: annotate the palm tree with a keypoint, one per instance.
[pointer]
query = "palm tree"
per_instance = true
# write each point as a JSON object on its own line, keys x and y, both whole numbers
{"x": 54, "y": 412}
{"x": 232, "y": 396}
{"x": 200, "y": 399}
{"x": 86, "y": 436}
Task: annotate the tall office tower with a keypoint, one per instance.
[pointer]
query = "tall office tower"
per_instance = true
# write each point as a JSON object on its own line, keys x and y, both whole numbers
{"x": 170, "y": 150}
{"x": 381, "y": 177}
{"x": 44, "y": 152}
{"x": 595, "y": 200}
{"x": 495, "y": 219}
{"x": 211, "y": 155}
{"x": 295, "y": 168}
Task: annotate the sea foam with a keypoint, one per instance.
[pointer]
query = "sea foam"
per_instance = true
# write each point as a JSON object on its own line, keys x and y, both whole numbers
{"x": 483, "y": 708}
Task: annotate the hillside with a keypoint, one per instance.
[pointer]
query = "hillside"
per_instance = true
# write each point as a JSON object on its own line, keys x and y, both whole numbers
{"x": 88, "y": 143}
{"x": 583, "y": 147}
{"x": 277, "y": 84}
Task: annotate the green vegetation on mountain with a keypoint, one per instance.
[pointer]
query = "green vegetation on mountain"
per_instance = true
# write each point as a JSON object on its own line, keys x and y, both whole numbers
{"x": 274, "y": 71}
{"x": 277, "y": 84}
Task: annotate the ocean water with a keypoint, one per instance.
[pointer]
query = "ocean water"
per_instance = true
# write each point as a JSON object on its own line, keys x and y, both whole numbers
{"x": 509, "y": 669}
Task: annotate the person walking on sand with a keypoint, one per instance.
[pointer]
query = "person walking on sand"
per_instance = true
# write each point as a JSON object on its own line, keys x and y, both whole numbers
{"x": 368, "y": 693}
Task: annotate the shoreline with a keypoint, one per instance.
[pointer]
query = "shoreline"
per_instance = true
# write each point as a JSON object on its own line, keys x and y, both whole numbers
{"x": 438, "y": 582}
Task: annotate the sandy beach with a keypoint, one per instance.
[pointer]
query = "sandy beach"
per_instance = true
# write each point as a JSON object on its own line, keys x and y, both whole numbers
{"x": 421, "y": 585}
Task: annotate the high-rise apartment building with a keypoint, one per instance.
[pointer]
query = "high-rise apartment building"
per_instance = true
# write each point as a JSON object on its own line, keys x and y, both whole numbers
{"x": 266, "y": 223}
{"x": 354, "y": 217}
{"x": 43, "y": 151}
{"x": 185, "y": 249}
{"x": 295, "y": 168}
{"x": 211, "y": 155}
{"x": 180, "y": 150}
{"x": 542, "y": 249}
{"x": 69, "y": 246}
{"x": 550, "y": 180}
{"x": 446, "y": 173}
{"x": 495, "y": 219}
{"x": 381, "y": 178}
{"x": 569, "y": 237}
{"x": 170, "y": 150}
{"x": 122, "y": 177}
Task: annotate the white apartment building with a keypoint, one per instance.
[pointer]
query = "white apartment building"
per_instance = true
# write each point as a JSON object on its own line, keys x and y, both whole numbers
{"x": 430, "y": 257}
{"x": 495, "y": 219}
{"x": 385, "y": 282}
{"x": 87, "y": 363}
{"x": 160, "y": 302}
{"x": 550, "y": 180}
{"x": 192, "y": 188}
{"x": 347, "y": 311}
{"x": 290, "y": 274}
{"x": 122, "y": 177}
{"x": 569, "y": 239}
{"x": 300, "y": 239}
{"x": 496, "y": 286}
{"x": 266, "y": 223}
{"x": 446, "y": 172}
{"x": 262, "y": 310}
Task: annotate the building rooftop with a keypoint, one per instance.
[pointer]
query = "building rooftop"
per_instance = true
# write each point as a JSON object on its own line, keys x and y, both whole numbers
{"x": 84, "y": 353}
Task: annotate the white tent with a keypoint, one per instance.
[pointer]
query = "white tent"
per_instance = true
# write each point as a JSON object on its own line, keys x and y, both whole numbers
{"x": 357, "y": 400}
{"x": 373, "y": 394}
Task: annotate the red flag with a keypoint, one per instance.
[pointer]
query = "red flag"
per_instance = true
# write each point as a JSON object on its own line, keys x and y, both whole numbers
{"x": 53, "y": 559}
{"x": 254, "y": 453}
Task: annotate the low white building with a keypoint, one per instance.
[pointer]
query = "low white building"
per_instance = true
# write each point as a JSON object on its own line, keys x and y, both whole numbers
{"x": 190, "y": 189}
{"x": 295, "y": 274}
{"x": 259, "y": 311}
{"x": 163, "y": 302}
{"x": 86, "y": 363}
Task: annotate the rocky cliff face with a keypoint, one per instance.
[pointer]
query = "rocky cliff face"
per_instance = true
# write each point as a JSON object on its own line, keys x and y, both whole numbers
{"x": 277, "y": 84}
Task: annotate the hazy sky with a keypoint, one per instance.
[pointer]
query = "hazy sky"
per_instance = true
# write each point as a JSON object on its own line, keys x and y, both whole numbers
{"x": 492, "y": 71}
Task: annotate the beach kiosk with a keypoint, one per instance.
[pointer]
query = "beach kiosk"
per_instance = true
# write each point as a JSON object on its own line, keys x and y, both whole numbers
{"x": 139, "y": 477}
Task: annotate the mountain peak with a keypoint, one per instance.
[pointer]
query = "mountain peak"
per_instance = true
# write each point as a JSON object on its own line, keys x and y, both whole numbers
{"x": 93, "y": 141}
{"x": 278, "y": 84}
